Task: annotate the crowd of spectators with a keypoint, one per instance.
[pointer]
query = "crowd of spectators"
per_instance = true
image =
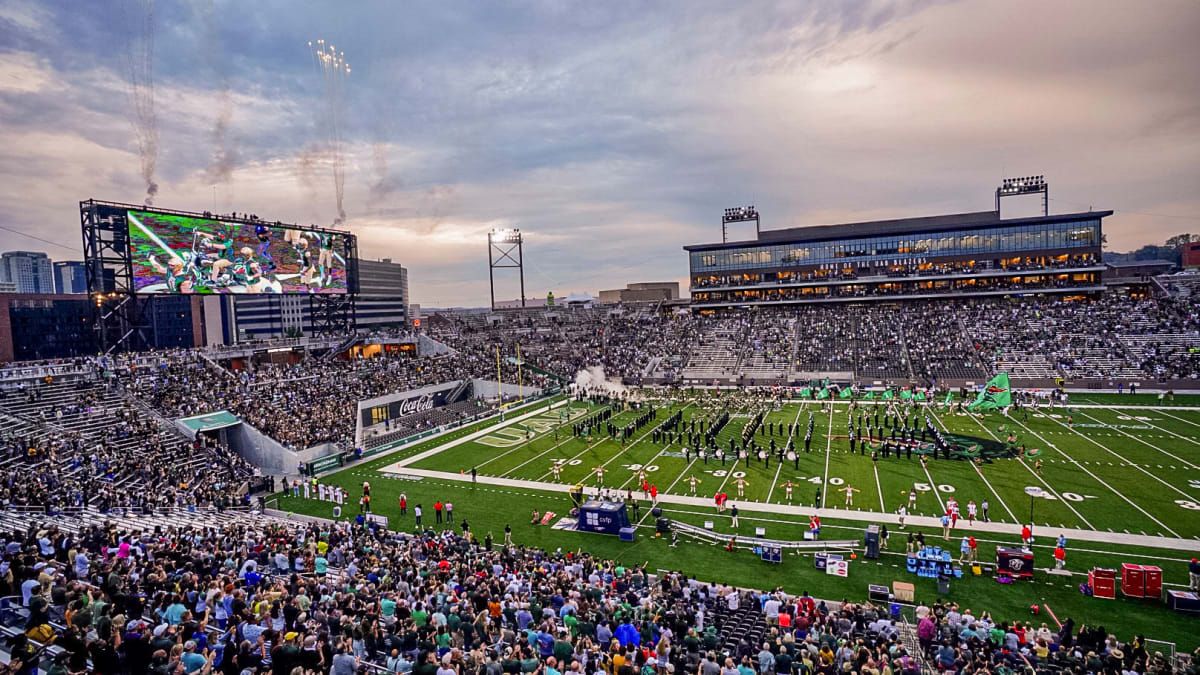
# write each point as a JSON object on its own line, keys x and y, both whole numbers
{"x": 266, "y": 596}
{"x": 304, "y": 403}
{"x": 92, "y": 448}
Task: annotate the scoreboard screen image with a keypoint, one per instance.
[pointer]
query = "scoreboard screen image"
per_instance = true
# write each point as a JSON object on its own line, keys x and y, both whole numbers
{"x": 175, "y": 253}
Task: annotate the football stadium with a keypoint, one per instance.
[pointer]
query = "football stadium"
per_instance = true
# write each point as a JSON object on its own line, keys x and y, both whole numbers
{"x": 947, "y": 442}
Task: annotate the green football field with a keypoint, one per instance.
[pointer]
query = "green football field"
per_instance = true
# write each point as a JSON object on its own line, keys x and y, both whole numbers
{"x": 1112, "y": 469}
{"x": 1123, "y": 465}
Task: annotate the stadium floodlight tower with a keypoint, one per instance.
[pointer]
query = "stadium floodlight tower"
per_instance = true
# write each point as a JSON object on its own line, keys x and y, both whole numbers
{"x": 739, "y": 214}
{"x": 505, "y": 251}
{"x": 1029, "y": 185}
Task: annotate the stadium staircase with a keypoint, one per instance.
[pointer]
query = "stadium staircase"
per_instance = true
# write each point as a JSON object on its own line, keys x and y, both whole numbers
{"x": 912, "y": 645}
{"x": 332, "y": 353}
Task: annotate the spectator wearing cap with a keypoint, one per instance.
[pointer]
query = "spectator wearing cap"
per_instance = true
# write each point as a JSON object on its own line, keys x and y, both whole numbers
{"x": 191, "y": 661}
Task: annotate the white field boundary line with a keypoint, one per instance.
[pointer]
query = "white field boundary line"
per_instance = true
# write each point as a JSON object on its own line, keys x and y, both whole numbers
{"x": 982, "y": 477}
{"x": 999, "y": 542}
{"x": 1096, "y": 478}
{"x": 1048, "y": 547}
{"x": 1145, "y": 442}
{"x": 1124, "y": 460}
{"x": 1036, "y": 477}
{"x": 1097, "y": 406}
{"x": 531, "y": 439}
{"x": 802, "y": 512}
{"x": 472, "y": 436}
{"x": 781, "y": 461}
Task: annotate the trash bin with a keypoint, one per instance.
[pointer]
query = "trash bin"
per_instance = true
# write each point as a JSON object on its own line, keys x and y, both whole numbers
{"x": 943, "y": 585}
{"x": 871, "y": 542}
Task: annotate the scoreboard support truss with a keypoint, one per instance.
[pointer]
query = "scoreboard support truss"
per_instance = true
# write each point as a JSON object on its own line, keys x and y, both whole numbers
{"x": 119, "y": 314}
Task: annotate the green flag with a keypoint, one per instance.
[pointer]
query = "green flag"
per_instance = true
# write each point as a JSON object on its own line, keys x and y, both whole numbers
{"x": 846, "y": 392}
{"x": 869, "y": 396}
{"x": 888, "y": 395}
{"x": 806, "y": 392}
{"x": 823, "y": 394}
{"x": 920, "y": 396}
{"x": 905, "y": 394}
{"x": 996, "y": 394}
{"x": 949, "y": 397}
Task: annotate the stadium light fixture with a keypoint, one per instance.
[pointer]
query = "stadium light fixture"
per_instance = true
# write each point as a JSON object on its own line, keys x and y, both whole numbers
{"x": 739, "y": 214}
{"x": 1024, "y": 185}
{"x": 505, "y": 250}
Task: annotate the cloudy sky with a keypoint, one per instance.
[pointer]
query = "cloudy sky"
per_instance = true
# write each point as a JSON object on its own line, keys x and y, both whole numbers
{"x": 611, "y": 133}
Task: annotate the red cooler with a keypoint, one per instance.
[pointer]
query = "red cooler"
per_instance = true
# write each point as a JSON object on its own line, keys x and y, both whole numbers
{"x": 1133, "y": 580}
{"x": 1103, "y": 582}
{"x": 1153, "y": 578}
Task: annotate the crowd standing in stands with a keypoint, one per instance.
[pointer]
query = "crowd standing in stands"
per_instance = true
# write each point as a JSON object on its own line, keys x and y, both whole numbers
{"x": 284, "y": 598}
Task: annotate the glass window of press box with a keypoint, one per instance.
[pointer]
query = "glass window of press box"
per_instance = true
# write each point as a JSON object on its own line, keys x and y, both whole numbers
{"x": 998, "y": 240}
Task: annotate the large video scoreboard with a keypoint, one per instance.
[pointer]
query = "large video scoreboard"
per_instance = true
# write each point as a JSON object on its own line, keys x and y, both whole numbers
{"x": 176, "y": 252}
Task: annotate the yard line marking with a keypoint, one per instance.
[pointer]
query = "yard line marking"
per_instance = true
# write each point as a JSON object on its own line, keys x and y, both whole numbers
{"x": 799, "y": 409}
{"x": 933, "y": 486}
{"x": 513, "y": 470}
{"x": 619, "y": 453}
{"x": 531, "y": 440}
{"x": 1097, "y": 478}
{"x": 828, "y": 447}
{"x": 983, "y": 477}
{"x": 733, "y": 465}
{"x": 1033, "y": 473}
{"x": 1136, "y": 466}
{"x": 1189, "y": 439}
{"x": 1181, "y": 419}
{"x": 878, "y": 487}
{"x": 1143, "y": 441}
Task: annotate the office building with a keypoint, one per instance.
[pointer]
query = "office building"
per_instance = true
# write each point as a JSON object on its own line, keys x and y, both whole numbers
{"x": 70, "y": 277}
{"x": 29, "y": 270}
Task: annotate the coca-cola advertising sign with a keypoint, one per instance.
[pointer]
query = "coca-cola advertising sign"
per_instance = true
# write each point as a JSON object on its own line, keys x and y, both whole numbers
{"x": 404, "y": 406}
{"x": 419, "y": 404}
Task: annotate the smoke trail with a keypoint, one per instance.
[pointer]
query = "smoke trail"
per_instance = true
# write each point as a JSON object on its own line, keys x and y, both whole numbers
{"x": 330, "y": 63}
{"x": 224, "y": 157}
{"x": 382, "y": 184}
{"x": 305, "y": 168}
{"x": 140, "y": 69}
{"x": 435, "y": 203}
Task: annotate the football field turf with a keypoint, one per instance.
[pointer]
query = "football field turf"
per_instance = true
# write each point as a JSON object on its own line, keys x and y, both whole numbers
{"x": 1114, "y": 469}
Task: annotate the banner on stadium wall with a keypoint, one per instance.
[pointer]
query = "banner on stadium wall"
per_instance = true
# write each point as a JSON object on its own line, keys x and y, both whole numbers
{"x": 996, "y": 394}
{"x": 398, "y": 406}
